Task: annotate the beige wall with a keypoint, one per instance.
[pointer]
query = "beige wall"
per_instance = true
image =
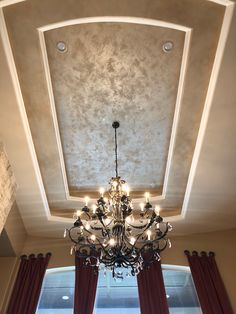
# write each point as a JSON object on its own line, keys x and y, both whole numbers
{"x": 222, "y": 243}
{"x": 15, "y": 230}
{"x": 7, "y": 268}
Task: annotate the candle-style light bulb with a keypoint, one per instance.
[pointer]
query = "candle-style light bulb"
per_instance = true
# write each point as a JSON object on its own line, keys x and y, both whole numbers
{"x": 101, "y": 191}
{"x": 78, "y": 212}
{"x": 112, "y": 242}
{"x": 132, "y": 240}
{"x": 71, "y": 250}
{"x": 147, "y": 196}
{"x": 141, "y": 206}
{"x": 93, "y": 237}
{"x": 94, "y": 208}
{"x": 149, "y": 232}
{"x": 87, "y": 226}
{"x": 86, "y": 199}
{"x": 170, "y": 227}
{"x": 65, "y": 233}
{"x": 126, "y": 189}
{"x": 105, "y": 199}
{"x": 157, "y": 210}
{"x": 128, "y": 219}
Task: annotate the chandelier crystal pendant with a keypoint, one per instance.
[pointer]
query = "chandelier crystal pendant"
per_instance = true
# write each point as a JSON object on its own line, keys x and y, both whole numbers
{"x": 112, "y": 234}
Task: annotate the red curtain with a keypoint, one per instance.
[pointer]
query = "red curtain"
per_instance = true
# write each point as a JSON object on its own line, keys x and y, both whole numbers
{"x": 86, "y": 278}
{"x": 27, "y": 287}
{"x": 152, "y": 294}
{"x": 209, "y": 285}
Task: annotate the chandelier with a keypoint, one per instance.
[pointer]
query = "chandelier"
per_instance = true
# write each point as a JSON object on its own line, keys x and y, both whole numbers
{"x": 112, "y": 234}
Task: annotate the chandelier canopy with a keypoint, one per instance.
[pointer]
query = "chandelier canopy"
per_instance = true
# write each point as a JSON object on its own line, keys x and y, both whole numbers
{"x": 112, "y": 234}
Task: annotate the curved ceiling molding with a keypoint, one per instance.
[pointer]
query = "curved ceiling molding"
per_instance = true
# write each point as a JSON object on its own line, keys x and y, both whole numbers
{"x": 126, "y": 20}
{"x": 194, "y": 96}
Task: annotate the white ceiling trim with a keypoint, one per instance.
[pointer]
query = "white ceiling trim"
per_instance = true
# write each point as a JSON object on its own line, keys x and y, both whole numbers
{"x": 21, "y": 106}
{"x": 207, "y": 106}
{"x": 213, "y": 79}
{"x": 131, "y": 20}
{"x": 119, "y": 19}
{"x": 222, "y": 2}
{"x": 5, "y": 3}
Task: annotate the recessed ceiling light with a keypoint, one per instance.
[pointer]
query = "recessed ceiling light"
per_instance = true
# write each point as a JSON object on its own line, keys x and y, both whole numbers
{"x": 168, "y": 46}
{"x": 61, "y": 46}
{"x": 65, "y": 297}
{"x": 167, "y": 296}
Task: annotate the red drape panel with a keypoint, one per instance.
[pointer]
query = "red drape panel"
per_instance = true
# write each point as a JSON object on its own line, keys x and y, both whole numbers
{"x": 27, "y": 287}
{"x": 152, "y": 294}
{"x": 86, "y": 278}
{"x": 209, "y": 285}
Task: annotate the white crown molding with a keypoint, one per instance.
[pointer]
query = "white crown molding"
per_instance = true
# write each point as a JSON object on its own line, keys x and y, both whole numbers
{"x": 117, "y": 19}
{"x": 219, "y": 54}
{"x": 180, "y": 91}
{"x": 5, "y": 3}
{"x": 222, "y": 2}
{"x": 208, "y": 103}
{"x": 20, "y": 102}
{"x": 120, "y": 19}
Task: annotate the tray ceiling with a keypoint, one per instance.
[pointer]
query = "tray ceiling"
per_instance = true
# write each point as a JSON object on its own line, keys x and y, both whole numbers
{"x": 114, "y": 69}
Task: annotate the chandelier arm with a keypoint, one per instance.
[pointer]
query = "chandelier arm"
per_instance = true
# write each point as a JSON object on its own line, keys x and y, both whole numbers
{"x": 164, "y": 247}
{"x": 98, "y": 229}
{"x": 108, "y": 234}
{"x": 137, "y": 227}
{"x": 69, "y": 230}
{"x": 106, "y": 259}
{"x": 85, "y": 230}
{"x": 84, "y": 247}
{"x": 146, "y": 212}
{"x": 97, "y": 239}
{"x": 165, "y": 232}
{"x": 87, "y": 214}
{"x": 137, "y": 238}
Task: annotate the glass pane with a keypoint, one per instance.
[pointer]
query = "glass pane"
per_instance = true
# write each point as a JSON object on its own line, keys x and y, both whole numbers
{"x": 57, "y": 295}
{"x": 180, "y": 291}
{"x": 117, "y": 297}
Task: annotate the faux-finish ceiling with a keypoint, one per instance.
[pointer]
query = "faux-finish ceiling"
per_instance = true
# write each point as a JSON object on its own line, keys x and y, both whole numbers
{"x": 29, "y": 59}
{"x": 115, "y": 71}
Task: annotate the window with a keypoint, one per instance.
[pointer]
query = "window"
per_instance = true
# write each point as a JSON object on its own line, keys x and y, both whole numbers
{"x": 57, "y": 296}
{"x": 117, "y": 297}
{"x": 180, "y": 290}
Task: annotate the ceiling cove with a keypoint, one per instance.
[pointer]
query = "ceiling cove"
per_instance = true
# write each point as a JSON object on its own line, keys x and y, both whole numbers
{"x": 109, "y": 26}
{"x": 53, "y": 200}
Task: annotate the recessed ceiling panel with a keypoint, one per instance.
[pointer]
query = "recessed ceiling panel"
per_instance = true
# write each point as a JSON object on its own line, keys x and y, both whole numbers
{"x": 98, "y": 77}
{"x": 114, "y": 71}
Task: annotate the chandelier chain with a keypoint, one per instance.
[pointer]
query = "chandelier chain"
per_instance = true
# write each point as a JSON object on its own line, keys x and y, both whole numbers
{"x": 116, "y": 153}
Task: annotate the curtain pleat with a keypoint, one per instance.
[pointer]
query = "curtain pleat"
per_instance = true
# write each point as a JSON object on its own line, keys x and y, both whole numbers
{"x": 152, "y": 294}
{"x": 208, "y": 282}
{"x": 86, "y": 278}
{"x": 27, "y": 287}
